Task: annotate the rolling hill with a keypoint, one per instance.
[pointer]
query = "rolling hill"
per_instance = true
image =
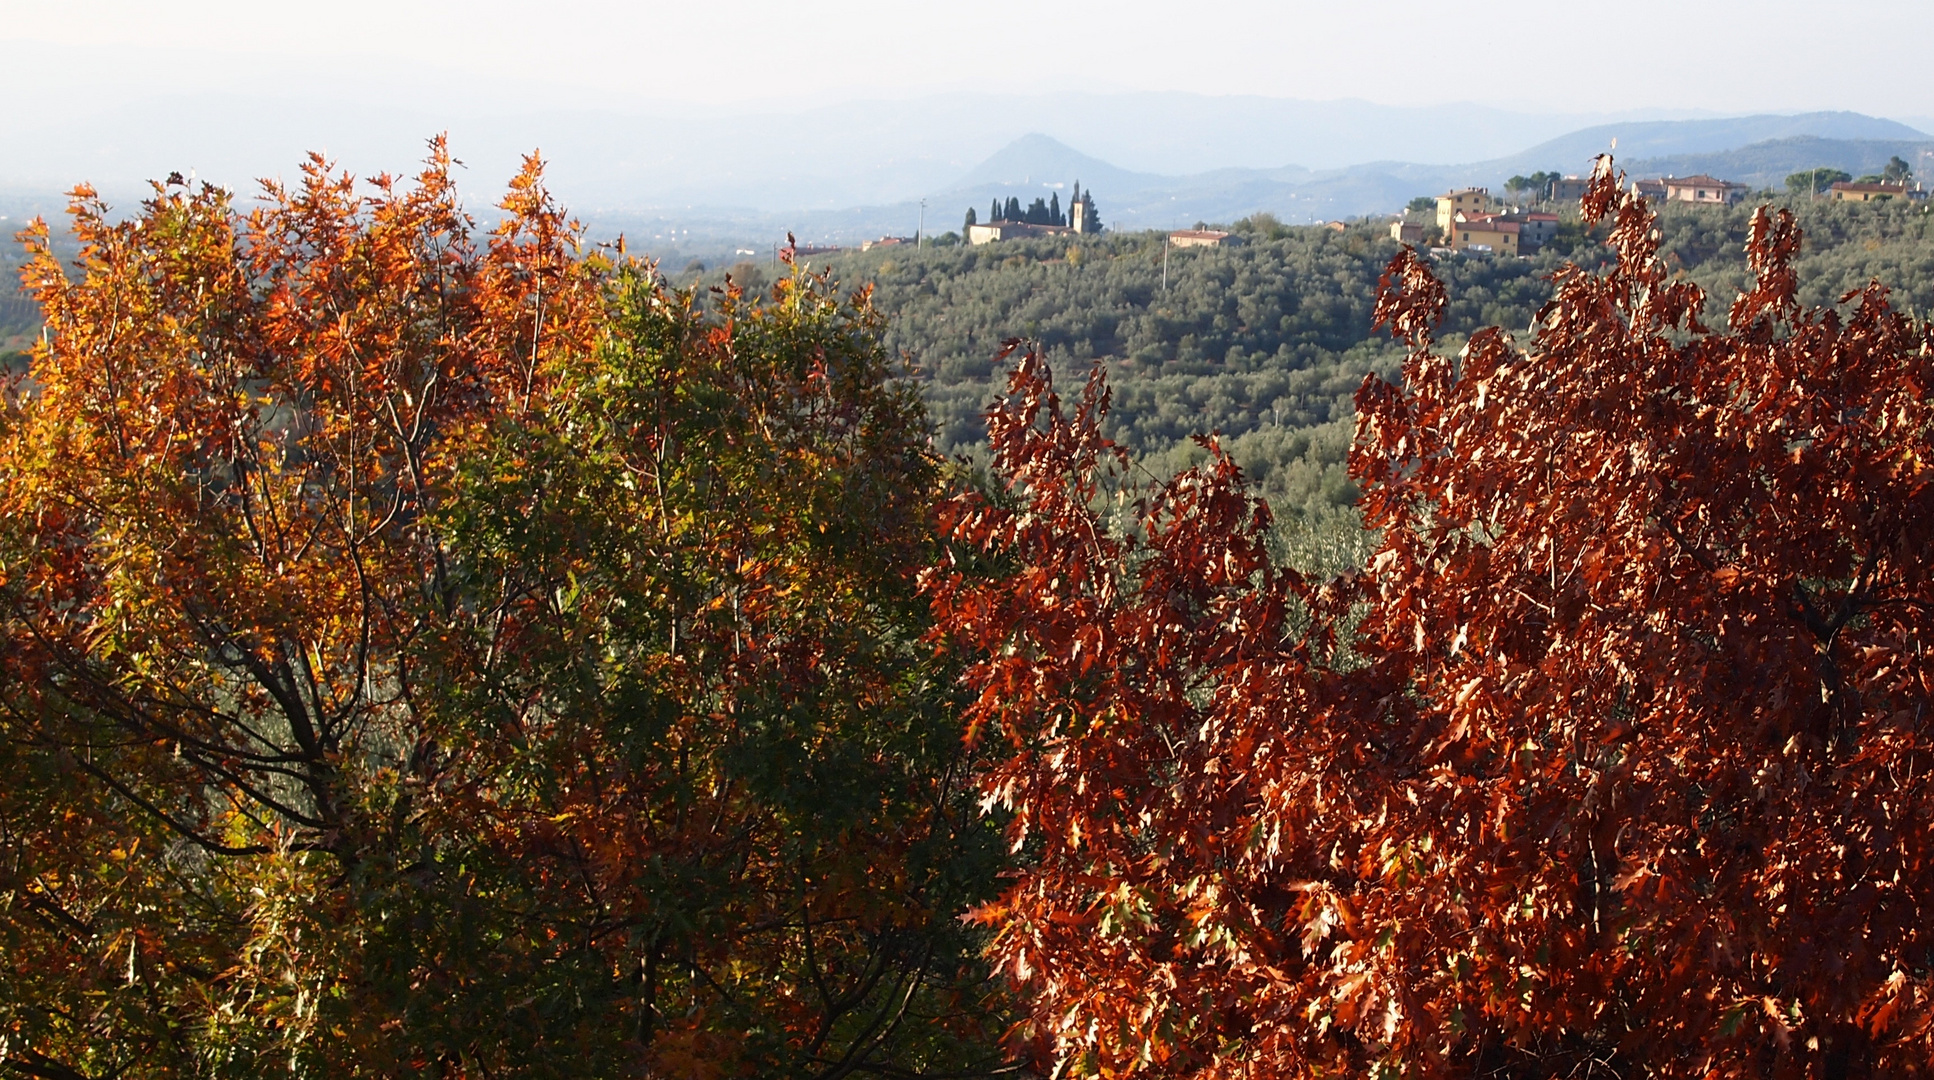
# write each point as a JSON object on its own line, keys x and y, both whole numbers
{"x": 1767, "y": 164}
{"x": 1660, "y": 139}
{"x": 1759, "y": 150}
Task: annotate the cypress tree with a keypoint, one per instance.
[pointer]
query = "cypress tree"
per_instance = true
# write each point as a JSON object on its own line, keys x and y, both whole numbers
{"x": 994, "y": 213}
{"x": 968, "y": 224}
{"x": 1054, "y": 210}
{"x": 1014, "y": 208}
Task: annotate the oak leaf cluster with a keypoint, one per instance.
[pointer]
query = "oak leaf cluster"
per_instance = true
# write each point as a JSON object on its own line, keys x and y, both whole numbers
{"x": 1611, "y": 762}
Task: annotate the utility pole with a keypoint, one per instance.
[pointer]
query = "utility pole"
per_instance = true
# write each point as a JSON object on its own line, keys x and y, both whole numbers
{"x": 920, "y": 234}
{"x": 1165, "y": 246}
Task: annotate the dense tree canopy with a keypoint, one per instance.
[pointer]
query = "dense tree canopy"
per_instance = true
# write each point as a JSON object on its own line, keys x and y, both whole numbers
{"x": 1815, "y": 181}
{"x": 433, "y": 652}
{"x": 1611, "y": 761}
{"x": 1266, "y": 343}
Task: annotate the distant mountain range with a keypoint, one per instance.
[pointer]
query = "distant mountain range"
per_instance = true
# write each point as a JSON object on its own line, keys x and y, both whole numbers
{"x": 1768, "y": 164}
{"x": 1758, "y": 150}
{"x": 776, "y": 156}
{"x": 719, "y": 180}
{"x": 1648, "y": 140}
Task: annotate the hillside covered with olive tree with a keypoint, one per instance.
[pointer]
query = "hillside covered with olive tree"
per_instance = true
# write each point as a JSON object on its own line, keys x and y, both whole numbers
{"x": 1266, "y": 343}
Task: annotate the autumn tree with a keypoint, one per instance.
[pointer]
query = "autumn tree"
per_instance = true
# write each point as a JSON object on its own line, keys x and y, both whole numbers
{"x": 439, "y": 650}
{"x": 1611, "y": 761}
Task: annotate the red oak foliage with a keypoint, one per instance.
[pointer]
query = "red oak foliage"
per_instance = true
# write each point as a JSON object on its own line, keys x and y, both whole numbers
{"x": 1612, "y": 762}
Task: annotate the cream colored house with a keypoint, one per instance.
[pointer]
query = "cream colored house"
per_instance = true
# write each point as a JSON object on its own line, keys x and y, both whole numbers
{"x": 1854, "y": 191}
{"x": 1484, "y": 233}
{"x": 1203, "y": 238}
{"x": 1406, "y": 232}
{"x": 988, "y": 232}
{"x": 1469, "y": 201}
{"x": 1707, "y": 190}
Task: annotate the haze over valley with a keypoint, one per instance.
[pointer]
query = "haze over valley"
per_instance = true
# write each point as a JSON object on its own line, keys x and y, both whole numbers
{"x": 709, "y": 182}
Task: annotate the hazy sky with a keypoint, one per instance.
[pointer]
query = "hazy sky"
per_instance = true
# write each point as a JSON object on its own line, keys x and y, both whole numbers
{"x": 1549, "y": 55}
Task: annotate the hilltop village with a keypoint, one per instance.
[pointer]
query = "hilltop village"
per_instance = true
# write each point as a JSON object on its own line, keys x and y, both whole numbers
{"x": 1470, "y": 220}
{"x": 1011, "y": 221}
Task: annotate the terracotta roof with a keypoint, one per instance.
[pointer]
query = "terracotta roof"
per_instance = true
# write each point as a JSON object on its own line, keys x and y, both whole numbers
{"x": 1490, "y": 226}
{"x": 1531, "y": 215}
{"x": 1197, "y": 234}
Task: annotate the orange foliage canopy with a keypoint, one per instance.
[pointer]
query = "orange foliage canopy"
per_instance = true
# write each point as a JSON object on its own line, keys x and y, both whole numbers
{"x": 220, "y": 554}
{"x": 434, "y": 651}
{"x": 1613, "y": 761}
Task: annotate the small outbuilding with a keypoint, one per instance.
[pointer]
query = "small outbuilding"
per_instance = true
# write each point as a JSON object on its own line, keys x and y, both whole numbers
{"x": 1203, "y": 238}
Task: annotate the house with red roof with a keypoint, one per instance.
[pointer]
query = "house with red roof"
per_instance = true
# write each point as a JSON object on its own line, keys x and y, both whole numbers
{"x": 1856, "y": 191}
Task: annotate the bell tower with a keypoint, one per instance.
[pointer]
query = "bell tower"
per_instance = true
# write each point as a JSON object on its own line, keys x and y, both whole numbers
{"x": 1081, "y": 211}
